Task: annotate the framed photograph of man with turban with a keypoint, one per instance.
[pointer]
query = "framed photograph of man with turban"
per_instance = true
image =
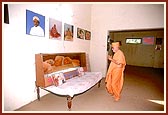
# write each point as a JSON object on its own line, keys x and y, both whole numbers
{"x": 35, "y": 24}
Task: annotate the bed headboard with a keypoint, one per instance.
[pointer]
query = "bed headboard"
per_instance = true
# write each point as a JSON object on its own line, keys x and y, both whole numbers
{"x": 41, "y": 58}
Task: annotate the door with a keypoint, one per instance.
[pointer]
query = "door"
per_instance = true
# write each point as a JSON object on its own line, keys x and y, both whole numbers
{"x": 142, "y": 54}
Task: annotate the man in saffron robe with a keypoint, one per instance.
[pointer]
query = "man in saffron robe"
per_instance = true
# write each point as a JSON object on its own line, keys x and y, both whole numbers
{"x": 114, "y": 78}
{"x": 54, "y": 33}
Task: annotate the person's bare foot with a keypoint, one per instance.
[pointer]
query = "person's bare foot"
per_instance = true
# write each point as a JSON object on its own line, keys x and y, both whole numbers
{"x": 117, "y": 99}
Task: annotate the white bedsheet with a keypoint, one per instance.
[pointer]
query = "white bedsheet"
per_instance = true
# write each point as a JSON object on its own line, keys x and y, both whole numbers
{"x": 76, "y": 85}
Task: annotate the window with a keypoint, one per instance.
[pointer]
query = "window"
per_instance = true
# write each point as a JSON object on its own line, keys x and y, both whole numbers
{"x": 133, "y": 40}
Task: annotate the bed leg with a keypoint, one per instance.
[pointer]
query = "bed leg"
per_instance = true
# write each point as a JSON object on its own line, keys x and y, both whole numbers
{"x": 69, "y": 102}
{"x": 99, "y": 83}
{"x": 38, "y": 92}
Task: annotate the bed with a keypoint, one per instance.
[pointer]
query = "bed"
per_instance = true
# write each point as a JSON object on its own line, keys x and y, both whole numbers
{"x": 72, "y": 79}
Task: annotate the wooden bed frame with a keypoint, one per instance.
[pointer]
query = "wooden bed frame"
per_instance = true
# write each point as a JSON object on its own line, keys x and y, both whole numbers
{"x": 40, "y": 81}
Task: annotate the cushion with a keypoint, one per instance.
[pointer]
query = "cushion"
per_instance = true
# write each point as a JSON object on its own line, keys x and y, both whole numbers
{"x": 71, "y": 73}
{"x": 47, "y": 67}
{"x": 67, "y": 60}
{"x": 75, "y": 62}
{"x": 54, "y": 79}
{"x": 48, "y": 81}
{"x": 58, "y": 60}
{"x": 57, "y": 79}
{"x": 50, "y": 61}
{"x": 81, "y": 71}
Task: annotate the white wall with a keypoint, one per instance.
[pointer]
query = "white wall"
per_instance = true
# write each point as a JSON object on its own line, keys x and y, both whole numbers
{"x": 19, "y": 49}
{"x": 126, "y": 16}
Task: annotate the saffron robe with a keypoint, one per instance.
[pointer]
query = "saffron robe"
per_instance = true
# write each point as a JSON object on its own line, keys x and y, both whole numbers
{"x": 114, "y": 78}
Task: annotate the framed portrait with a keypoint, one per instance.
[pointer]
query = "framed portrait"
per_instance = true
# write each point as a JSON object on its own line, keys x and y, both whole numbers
{"x": 35, "y": 24}
{"x": 87, "y": 35}
{"x": 80, "y": 33}
{"x": 68, "y": 32}
{"x": 55, "y": 29}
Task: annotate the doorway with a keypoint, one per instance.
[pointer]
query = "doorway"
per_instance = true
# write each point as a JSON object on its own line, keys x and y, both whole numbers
{"x": 149, "y": 52}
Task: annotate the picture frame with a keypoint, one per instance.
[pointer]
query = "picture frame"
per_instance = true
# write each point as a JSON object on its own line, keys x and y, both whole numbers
{"x": 35, "y": 24}
{"x": 55, "y": 29}
{"x": 148, "y": 40}
{"x": 6, "y": 14}
{"x": 68, "y": 32}
{"x": 87, "y": 35}
{"x": 80, "y": 33}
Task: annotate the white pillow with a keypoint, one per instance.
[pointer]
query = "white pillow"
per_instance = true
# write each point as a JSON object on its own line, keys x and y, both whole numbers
{"x": 81, "y": 71}
{"x": 58, "y": 78}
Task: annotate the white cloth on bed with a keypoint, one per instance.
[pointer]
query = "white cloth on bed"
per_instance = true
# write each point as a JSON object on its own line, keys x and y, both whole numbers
{"x": 76, "y": 85}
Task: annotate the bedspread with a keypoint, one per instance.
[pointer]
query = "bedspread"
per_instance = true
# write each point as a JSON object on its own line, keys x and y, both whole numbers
{"x": 76, "y": 85}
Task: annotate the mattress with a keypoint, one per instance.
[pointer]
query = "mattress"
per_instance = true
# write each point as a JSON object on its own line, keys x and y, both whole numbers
{"x": 76, "y": 85}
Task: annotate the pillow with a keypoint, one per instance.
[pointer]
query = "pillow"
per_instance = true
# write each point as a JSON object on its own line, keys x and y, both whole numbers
{"x": 81, "y": 71}
{"x": 71, "y": 73}
{"x": 58, "y": 79}
{"x": 55, "y": 79}
{"x": 85, "y": 69}
{"x": 50, "y": 61}
{"x": 67, "y": 60}
{"x": 48, "y": 81}
{"x": 58, "y": 60}
{"x": 47, "y": 67}
{"x": 62, "y": 77}
{"x": 75, "y": 62}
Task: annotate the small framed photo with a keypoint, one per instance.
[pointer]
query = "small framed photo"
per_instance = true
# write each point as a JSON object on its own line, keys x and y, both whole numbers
{"x": 87, "y": 35}
{"x": 80, "y": 33}
{"x": 55, "y": 29}
{"x": 68, "y": 32}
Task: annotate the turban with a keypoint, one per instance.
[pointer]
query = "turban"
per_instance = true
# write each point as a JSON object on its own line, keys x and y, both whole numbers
{"x": 115, "y": 44}
{"x": 35, "y": 17}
